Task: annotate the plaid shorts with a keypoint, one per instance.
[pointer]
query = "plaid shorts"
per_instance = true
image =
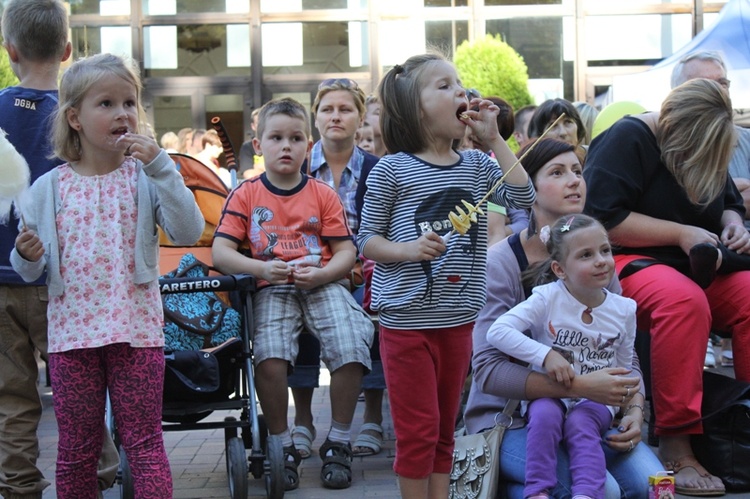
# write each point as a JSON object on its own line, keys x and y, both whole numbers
{"x": 328, "y": 312}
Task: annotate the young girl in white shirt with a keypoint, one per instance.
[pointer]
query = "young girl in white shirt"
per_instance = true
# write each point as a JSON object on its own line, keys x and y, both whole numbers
{"x": 576, "y": 327}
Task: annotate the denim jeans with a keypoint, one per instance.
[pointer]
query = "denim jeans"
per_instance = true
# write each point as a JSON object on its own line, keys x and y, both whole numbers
{"x": 627, "y": 472}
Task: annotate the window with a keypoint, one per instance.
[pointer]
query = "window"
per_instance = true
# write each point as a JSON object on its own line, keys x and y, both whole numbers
{"x": 172, "y": 7}
{"x": 445, "y": 36}
{"x": 538, "y": 40}
{"x": 611, "y": 37}
{"x": 445, "y": 3}
{"x": 197, "y": 50}
{"x": 101, "y": 7}
{"x": 315, "y": 47}
{"x": 522, "y": 2}
{"x": 171, "y": 113}
{"x": 90, "y": 41}
{"x": 269, "y": 6}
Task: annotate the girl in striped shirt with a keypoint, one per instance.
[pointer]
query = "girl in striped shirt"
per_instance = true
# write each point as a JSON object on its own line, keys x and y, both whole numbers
{"x": 429, "y": 283}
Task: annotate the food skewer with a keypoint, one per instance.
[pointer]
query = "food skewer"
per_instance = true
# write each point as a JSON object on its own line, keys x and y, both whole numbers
{"x": 461, "y": 220}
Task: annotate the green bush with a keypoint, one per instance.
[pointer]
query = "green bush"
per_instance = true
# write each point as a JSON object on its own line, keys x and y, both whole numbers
{"x": 493, "y": 68}
{"x": 7, "y": 77}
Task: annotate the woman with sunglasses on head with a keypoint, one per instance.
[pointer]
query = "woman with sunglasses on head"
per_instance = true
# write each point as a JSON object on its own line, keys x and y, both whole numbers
{"x": 338, "y": 111}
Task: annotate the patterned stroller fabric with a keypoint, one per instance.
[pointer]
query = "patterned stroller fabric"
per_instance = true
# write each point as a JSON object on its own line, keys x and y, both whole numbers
{"x": 196, "y": 320}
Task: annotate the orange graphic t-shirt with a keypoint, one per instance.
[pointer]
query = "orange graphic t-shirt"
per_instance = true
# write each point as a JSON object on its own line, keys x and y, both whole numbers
{"x": 290, "y": 225}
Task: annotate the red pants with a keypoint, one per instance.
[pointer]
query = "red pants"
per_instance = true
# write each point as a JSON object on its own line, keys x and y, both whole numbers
{"x": 679, "y": 316}
{"x": 425, "y": 371}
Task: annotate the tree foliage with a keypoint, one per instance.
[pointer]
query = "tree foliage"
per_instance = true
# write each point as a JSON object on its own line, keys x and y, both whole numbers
{"x": 7, "y": 77}
{"x": 495, "y": 69}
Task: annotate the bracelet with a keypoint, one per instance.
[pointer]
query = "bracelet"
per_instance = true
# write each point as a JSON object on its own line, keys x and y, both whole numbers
{"x": 631, "y": 406}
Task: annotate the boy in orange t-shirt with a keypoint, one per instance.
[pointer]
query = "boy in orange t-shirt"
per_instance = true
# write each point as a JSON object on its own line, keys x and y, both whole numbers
{"x": 300, "y": 249}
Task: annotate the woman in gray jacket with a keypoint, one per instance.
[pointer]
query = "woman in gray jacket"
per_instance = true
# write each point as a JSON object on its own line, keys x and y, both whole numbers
{"x": 556, "y": 173}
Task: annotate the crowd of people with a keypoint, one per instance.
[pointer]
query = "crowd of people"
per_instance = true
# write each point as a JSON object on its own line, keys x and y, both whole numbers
{"x": 641, "y": 229}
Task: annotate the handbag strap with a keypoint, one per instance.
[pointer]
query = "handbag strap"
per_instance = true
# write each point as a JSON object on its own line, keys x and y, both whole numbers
{"x": 510, "y": 408}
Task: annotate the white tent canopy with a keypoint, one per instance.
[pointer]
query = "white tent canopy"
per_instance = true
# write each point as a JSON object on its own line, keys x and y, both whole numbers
{"x": 730, "y": 36}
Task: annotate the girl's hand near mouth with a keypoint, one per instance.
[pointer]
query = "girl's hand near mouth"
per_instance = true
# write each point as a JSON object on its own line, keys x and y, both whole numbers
{"x": 141, "y": 147}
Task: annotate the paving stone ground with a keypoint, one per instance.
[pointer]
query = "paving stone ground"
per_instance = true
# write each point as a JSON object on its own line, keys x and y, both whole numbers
{"x": 199, "y": 466}
{"x": 199, "y": 469}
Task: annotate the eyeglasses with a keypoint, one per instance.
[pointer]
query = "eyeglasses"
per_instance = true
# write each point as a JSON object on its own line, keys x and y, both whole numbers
{"x": 343, "y": 82}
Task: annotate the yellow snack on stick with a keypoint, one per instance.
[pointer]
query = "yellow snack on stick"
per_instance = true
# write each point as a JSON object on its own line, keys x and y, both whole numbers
{"x": 462, "y": 220}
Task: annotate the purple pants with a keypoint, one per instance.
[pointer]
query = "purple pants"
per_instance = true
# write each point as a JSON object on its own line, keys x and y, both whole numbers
{"x": 135, "y": 378}
{"x": 581, "y": 430}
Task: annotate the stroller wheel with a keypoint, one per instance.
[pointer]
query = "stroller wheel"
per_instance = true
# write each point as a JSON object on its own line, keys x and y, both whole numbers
{"x": 126, "y": 478}
{"x": 236, "y": 468}
{"x": 274, "y": 467}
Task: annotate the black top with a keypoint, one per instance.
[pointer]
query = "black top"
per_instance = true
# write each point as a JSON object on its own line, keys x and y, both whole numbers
{"x": 624, "y": 173}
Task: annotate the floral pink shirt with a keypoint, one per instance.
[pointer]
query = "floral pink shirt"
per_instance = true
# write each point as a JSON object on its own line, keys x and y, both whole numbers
{"x": 96, "y": 227}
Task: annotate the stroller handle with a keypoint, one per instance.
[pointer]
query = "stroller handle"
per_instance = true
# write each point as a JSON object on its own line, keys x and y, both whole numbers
{"x": 234, "y": 282}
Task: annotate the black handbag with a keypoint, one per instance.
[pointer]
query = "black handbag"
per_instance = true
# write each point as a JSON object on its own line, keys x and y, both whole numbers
{"x": 201, "y": 375}
{"x": 189, "y": 373}
{"x": 724, "y": 446}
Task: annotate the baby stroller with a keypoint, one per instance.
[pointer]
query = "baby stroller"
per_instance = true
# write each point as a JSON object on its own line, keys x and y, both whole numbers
{"x": 219, "y": 377}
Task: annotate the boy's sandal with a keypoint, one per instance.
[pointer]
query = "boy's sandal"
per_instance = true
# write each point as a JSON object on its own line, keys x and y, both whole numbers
{"x": 336, "y": 472}
{"x": 303, "y": 440}
{"x": 291, "y": 472}
{"x": 691, "y": 462}
{"x": 367, "y": 444}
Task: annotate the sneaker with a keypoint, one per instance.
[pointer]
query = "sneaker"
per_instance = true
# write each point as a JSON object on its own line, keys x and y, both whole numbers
{"x": 710, "y": 357}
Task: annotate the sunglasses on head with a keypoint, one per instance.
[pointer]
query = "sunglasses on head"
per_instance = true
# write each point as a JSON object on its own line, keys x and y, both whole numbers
{"x": 344, "y": 82}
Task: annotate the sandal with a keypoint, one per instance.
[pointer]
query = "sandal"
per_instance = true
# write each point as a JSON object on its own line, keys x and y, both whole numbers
{"x": 303, "y": 440}
{"x": 368, "y": 444}
{"x": 690, "y": 462}
{"x": 727, "y": 358}
{"x": 336, "y": 472}
{"x": 291, "y": 473}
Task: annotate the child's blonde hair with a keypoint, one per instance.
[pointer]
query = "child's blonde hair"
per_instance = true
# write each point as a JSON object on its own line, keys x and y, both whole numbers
{"x": 75, "y": 83}
{"x": 170, "y": 141}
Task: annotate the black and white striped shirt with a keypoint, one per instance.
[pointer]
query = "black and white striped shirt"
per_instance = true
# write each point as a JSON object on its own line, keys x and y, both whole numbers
{"x": 407, "y": 197}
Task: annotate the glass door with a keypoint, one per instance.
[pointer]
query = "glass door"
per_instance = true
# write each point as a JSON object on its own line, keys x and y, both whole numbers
{"x": 172, "y": 105}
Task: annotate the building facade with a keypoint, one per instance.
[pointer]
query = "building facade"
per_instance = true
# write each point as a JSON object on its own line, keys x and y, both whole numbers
{"x": 206, "y": 58}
